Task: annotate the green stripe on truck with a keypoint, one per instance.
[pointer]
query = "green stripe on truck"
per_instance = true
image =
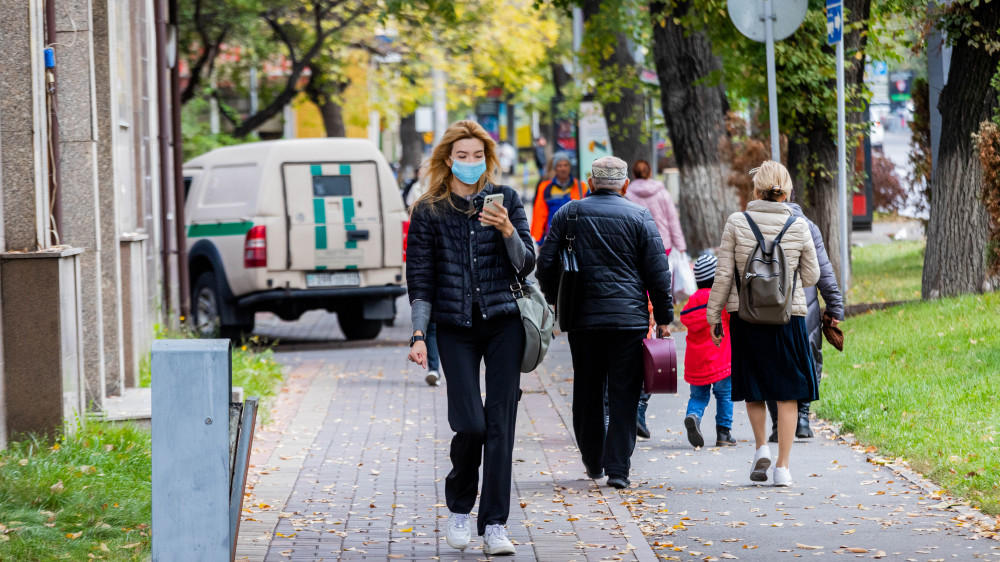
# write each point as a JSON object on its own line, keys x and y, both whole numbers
{"x": 219, "y": 229}
{"x": 320, "y": 237}
{"x": 319, "y": 210}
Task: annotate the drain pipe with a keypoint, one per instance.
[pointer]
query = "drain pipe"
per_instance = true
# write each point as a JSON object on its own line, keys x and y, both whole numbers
{"x": 54, "y": 228}
{"x": 163, "y": 139}
{"x": 183, "y": 280}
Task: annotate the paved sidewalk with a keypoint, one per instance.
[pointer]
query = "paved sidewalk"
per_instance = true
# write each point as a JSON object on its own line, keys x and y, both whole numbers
{"x": 353, "y": 468}
{"x": 360, "y": 474}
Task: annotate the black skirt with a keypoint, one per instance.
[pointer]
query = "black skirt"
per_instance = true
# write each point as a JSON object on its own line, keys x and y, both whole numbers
{"x": 772, "y": 362}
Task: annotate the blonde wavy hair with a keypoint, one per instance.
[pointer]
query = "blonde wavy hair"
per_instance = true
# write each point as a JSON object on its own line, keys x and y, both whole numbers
{"x": 770, "y": 181}
{"x": 438, "y": 172}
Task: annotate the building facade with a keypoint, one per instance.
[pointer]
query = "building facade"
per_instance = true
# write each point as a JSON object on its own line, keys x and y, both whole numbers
{"x": 87, "y": 231}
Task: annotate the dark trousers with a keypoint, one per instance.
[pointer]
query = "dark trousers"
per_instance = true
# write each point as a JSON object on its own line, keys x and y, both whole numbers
{"x": 484, "y": 433}
{"x": 611, "y": 359}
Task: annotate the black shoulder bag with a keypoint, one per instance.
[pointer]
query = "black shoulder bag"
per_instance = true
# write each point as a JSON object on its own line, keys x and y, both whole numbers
{"x": 568, "y": 277}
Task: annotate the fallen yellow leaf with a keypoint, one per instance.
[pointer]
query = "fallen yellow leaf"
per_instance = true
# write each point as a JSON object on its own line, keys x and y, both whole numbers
{"x": 406, "y": 530}
{"x": 807, "y": 547}
{"x": 73, "y": 536}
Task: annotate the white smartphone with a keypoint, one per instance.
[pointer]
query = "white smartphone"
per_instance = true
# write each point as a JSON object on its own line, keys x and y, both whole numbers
{"x": 493, "y": 198}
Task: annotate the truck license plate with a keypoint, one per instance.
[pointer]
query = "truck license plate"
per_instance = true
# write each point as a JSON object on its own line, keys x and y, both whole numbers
{"x": 333, "y": 279}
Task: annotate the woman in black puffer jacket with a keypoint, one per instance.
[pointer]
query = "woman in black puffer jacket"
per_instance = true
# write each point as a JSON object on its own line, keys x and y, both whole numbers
{"x": 462, "y": 259}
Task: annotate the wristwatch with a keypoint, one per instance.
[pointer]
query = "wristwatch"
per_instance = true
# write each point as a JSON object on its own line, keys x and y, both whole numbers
{"x": 415, "y": 339}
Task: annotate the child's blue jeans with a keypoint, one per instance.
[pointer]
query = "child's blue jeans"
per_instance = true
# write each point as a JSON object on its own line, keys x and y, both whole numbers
{"x": 723, "y": 401}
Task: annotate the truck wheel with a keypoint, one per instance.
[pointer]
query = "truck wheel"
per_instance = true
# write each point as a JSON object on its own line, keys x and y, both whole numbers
{"x": 206, "y": 312}
{"x": 205, "y": 302}
{"x": 355, "y": 326}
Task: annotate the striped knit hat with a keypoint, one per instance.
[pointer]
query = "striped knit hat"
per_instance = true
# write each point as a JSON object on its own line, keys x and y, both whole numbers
{"x": 704, "y": 267}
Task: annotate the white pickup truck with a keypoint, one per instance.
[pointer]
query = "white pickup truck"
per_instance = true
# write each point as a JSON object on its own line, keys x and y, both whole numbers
{"x": 289, "y": 226}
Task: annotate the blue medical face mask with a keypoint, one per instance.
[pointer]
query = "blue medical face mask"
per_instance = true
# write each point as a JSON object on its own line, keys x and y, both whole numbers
{"x": 468, "y": 173}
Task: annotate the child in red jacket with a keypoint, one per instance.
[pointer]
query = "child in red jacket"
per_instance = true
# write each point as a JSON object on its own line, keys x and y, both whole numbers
{"x": 706, "y": 367}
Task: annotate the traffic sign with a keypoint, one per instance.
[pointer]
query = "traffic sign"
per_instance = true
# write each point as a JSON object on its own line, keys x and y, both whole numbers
{"x": 834, "y": 22}
{"x": 748, "y": 17}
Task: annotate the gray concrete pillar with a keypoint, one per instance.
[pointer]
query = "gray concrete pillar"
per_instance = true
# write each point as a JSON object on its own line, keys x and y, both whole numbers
{"x": 23, "y": 161}
{"x": 23, "y": 164}
{"x": 82, "y": 214}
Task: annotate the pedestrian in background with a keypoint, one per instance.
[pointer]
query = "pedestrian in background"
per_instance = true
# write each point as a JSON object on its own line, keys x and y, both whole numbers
{"x": 828, "y": 287}
{"x": 462, "y": 257}
{"x": 770, "y": 362}
{"x": 652, "y": 194}
{"x": 552, "y": 194}
{"x": 433, "y": 356}
{"x": 707, "y": 367}
{"x": 621, "y": 259}
{"x": 540, "y": 157}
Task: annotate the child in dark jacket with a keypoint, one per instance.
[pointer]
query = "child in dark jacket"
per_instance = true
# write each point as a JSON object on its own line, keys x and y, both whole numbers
{"x": 706, "y": 367}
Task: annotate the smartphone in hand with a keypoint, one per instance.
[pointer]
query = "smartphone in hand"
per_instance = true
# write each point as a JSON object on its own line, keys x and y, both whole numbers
{"x": 718, "y": 330}
{"x": 492, "y": 198}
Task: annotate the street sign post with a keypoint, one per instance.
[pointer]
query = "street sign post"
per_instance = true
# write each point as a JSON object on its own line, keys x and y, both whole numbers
{"x": 835, "y": 35}
{"x": 768, "y": 21}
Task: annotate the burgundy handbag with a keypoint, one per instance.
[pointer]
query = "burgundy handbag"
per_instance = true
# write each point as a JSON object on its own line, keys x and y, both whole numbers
{"x": 659, "y": 357}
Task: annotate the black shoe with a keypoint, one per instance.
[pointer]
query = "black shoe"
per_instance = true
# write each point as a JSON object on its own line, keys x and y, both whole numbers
{"x": 774, "y": 433}
{"x": 641, "y": 429}
{"x": 694, "y": 432}
{"x": 595, "y": 474}
{"x": 802, "y": 430}
{"x": 723, "y": 438}
{"x": 618, "y": 482}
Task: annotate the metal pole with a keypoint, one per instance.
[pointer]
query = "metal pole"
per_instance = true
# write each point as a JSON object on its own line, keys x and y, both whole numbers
{"x": 180, "y": 224}
{"x": 254, "y": 97}
{"x": 163, "y": 144}
{"x": 55, "y": 179}
{"x": 772, "y": 85}
{"x": 653, "y": 165}
{"x": 845, "y": 264}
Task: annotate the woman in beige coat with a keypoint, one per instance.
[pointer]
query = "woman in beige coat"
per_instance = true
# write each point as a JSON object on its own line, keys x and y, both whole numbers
{"x": 770, "y": 362}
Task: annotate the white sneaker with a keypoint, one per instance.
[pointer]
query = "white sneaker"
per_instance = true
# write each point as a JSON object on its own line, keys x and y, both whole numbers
{"x": 458, "y": 532}
{"x": 782, "y": 477}
{"x": 495, "y": 541}
{"x": 432, "y": 378}
{"x": 761, "y": 462}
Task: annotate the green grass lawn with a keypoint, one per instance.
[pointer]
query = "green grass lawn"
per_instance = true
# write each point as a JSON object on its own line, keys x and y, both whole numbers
{"x": 920, "y": 381}
{"x": 886, "y": 272}
{"x": 86, "y": 495}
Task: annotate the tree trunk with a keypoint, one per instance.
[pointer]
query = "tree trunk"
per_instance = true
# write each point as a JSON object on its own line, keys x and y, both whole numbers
{"x": 812, "y": 157}
{"x": 327, "y": 93}
{"x": 695, "y": 113}
{"x": 413, "y": 144}
{"x": 625, "y": 108}
{"x": 812, "y": 162}
{"x": 954, "y": 262}
{"x": 333, "y": 118}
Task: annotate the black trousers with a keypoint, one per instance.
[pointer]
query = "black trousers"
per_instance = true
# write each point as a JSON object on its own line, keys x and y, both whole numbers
{"x": 611, "y": 359}
{"x": 484, "y": 433}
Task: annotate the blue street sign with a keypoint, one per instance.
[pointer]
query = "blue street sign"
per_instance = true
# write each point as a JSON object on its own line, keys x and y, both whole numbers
{"x": 834, "y": 22}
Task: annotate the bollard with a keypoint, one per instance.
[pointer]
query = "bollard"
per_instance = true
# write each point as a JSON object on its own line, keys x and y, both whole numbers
{"x": 192, "y": 463}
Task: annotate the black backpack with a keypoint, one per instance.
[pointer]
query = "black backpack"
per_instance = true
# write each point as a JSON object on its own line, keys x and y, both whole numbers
{"x": 767, "y": 290}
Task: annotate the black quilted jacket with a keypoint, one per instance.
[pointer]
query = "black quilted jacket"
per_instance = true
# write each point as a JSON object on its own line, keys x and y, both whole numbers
{"x": 453, "y": 261}
{"x": 621, "y": 257}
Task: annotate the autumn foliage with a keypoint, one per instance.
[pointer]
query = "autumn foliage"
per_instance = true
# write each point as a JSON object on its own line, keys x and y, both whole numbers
{"x": 988, "y": 147}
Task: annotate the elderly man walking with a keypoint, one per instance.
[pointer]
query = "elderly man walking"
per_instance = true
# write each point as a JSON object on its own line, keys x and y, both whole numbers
{"x": 621, "y": 259}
